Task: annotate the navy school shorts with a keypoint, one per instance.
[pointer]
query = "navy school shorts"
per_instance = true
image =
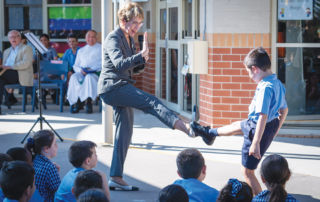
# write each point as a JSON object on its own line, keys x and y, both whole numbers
{"x": 248, "y": 128}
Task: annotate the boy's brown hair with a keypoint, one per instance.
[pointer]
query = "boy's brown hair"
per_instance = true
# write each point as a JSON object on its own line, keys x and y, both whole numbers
{"x": 258, "y": 57}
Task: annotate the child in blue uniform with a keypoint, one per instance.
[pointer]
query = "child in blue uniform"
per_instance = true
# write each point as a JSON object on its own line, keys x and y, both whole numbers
{"x": 16, "y": 179}
{"x": 274, "y": 174}
{"x": 83, "y": 156}
{"x": 22, "y": 154}
{"x": 267, "y": 112}
{"x": 44, "y": 147}
{"x": 192, "y": 168}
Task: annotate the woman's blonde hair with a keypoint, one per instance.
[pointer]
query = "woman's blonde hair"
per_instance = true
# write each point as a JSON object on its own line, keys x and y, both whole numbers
{"x": 129, "y": 11}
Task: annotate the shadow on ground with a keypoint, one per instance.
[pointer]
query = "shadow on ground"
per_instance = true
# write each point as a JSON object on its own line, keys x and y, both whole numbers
{"x": 305, "y": 198}
{"x": 222, "y": 151}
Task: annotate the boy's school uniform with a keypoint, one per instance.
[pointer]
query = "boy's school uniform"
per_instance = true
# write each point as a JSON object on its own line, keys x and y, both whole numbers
{"x": 9, "y": 200}
{"x": 198, "y": 191}
{"x": 64, "y": 192}
{"x": 2, "y": 197}
{"x": 46, "y": 176}
{"x": 269, "y": 98}
{"x": 264, "y": 197}
{"x": 36, "y": 197}
{"x": 70, "y": 58}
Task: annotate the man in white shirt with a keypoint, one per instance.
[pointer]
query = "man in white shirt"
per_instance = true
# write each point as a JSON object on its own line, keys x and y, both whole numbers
{"x": 83, "y": 83}
{"x": 17, "y": 64}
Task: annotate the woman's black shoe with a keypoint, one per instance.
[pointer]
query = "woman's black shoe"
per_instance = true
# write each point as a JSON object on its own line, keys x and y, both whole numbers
{"x": 202, "y": 131}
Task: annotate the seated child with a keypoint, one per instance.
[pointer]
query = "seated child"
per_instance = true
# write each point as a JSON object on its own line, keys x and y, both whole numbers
{"x": 22, "y": 154}
{"x": 43, "y": 147}
{"x": 85, "y": 180}
{"x": 93, "y": 195}
{"x": 173, "y": 193}
{"x": 83, "y": 156}
{"x": 274, "y": 174}
{"x": 192, "y": 169}
{"x": 17, "y": 181}
{"x": 3, "y": 158}
{"x": 235, "y": 191}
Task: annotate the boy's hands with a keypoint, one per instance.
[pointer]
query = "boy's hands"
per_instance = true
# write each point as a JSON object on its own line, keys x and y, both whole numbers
{"x": 255, "y": 150}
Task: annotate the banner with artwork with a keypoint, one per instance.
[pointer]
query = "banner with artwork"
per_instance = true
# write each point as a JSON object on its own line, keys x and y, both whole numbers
{"x": 295, "y": 9}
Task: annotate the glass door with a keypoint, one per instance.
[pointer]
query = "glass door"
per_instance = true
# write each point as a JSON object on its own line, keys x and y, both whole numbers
{"x": 168, "y": 47}
{"x": 178, "y": 22}
{"x": 298, "y": 55}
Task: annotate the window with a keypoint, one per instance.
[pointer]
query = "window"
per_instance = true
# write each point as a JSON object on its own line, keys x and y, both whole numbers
{"x": 298, "y": 51}
{"x": 23, "y": 15}
{"x": 299, "y": 26}
{"x": 69, "y": 1}
{"x": 74, "y": 16}
{"x": 191, "y": 19}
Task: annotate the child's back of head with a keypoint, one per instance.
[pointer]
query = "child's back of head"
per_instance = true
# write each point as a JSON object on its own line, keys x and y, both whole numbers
{"x": 4, "y": 158}
{"x": 93, "y": 195}
{"x": 85, "y": 180}
{"x": 20, "y": 154}
{"x": 258, "y": 57}
{"x": 235, "y": 191}
{"x": 16, "y": 179}
{"x": 190, "y": 163}
{"x": 80, "y": 151}
{"x": 275, "y": 173}
{"x": 173, "y": 193}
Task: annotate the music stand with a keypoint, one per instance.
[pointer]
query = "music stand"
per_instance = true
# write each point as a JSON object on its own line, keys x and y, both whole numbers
{"x": 40, "y": 49}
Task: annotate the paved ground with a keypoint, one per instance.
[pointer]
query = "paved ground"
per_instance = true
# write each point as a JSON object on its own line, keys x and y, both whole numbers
{"x": 151, "y": 160}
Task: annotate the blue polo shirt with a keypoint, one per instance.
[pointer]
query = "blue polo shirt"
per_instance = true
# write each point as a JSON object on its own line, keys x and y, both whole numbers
{"x": 64, "y": 192}
{"x": 70, "y": 57}
{"x": 36, "y": 197}
{"x": 10, "y": 200}
{"x": 1, "y": 195}
{"x": 198, "y": 191}
{"x": 268, "y": 99}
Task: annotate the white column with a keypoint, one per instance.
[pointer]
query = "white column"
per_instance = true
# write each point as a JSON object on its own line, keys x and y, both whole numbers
{"x": 106, "y": 27}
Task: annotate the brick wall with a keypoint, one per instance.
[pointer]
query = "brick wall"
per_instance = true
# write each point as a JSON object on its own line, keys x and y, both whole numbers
{"x": 146, "y": 80}
{"x": 226, "y": 91}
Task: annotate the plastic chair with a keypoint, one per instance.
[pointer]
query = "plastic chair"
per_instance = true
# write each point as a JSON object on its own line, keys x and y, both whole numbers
{"x": 50, "y": 74}
{"x": 24, "y": 93}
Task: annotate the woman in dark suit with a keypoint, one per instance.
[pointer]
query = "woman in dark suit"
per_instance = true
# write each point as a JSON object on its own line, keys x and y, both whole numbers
{"x": 116, "y": 88}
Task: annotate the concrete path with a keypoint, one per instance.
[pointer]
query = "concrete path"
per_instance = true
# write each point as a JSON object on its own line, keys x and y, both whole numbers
{"x": 150, "y": 162}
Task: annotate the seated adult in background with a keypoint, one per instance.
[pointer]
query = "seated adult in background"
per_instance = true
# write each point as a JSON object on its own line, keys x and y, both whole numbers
{"x": 192, "y": 168}
{"x": 71, "y": 53}
{"x": 83, "y": 83}
{"x": 17, "y": 64}
{"x": 10, "y": 99}
{"x": 51, "y": 54}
